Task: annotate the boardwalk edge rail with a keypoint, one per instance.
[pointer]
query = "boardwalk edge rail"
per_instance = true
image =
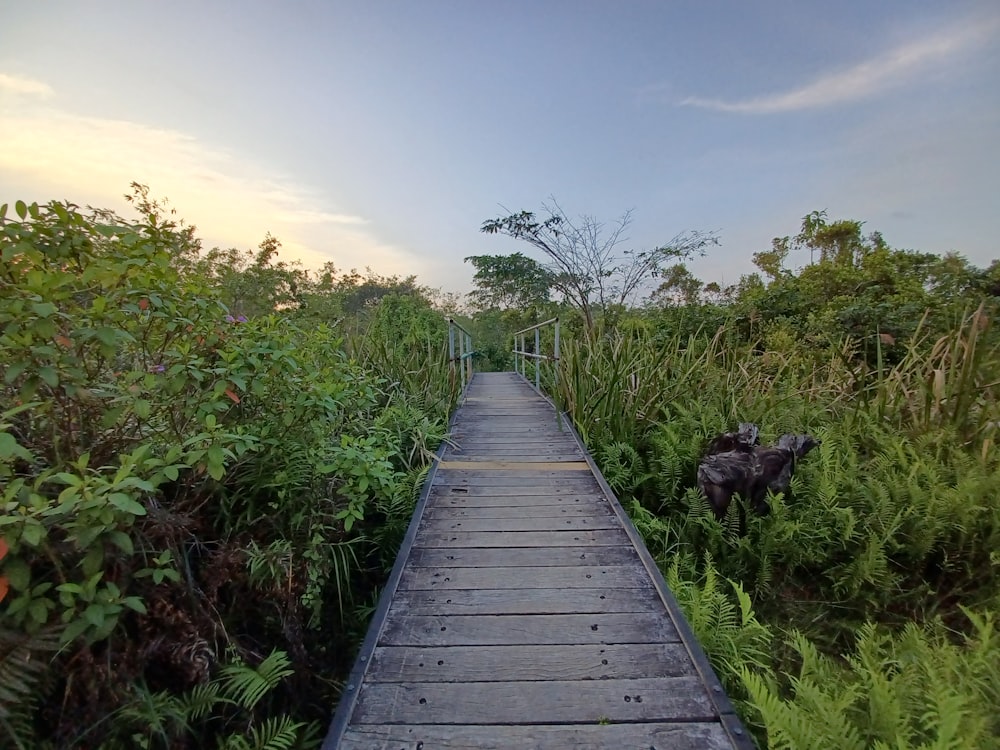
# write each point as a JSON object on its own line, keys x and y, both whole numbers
{"x": 731, "y": 722}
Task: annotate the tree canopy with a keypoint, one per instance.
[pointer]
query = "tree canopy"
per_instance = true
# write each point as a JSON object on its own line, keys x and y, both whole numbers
{"x": 587, "y": 262}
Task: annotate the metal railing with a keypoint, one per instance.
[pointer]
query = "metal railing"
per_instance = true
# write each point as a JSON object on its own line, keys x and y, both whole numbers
{"x": 522, "y": 355}
{"x": 464, "y": 358}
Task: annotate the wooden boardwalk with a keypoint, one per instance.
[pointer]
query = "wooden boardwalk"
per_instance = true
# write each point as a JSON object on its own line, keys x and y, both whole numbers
{"x": 524, "y": 610}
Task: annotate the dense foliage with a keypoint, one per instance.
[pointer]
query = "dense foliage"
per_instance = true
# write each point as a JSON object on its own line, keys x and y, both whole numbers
{"x": 861, "y": 613}
{"x": 207, "y": 462}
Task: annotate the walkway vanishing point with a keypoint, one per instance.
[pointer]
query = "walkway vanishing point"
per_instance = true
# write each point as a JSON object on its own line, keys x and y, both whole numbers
{"x": 524, "y": 610}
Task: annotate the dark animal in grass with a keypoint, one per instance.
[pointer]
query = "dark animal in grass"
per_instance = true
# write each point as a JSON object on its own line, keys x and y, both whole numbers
{"x": 750, "y": 470}
{"x": 744, "y": 439}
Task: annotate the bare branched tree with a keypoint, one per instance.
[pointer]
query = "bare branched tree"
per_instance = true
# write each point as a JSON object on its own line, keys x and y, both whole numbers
{"x": 587, "y": 263}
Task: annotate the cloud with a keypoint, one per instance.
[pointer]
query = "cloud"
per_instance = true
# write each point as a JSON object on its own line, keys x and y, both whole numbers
{"x": 49, "y": 153}
{"x": 10, "y": 84}
{"x": 866, "y": 79}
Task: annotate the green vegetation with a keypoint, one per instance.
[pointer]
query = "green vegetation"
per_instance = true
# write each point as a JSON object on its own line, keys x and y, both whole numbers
{"x": 207, "y": 462}
{"x": 861, "y": 612}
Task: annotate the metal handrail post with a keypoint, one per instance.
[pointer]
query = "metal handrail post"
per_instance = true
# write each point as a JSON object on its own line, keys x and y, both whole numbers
{"x": 468, "y": 348}
{"x": 537, "y": 368}
{"x": 556, "y": 350}
{"x": 464, "y": 352}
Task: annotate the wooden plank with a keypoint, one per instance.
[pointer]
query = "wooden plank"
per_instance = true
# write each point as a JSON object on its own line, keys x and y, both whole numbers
{"x": 515, "y": 495}
{"x": 516, "y": 468}
{"x": 529, "y": 523}
{"x": 525, "y": 578}
{"x": 521, "y": 602}
{"x": 507, "y": 539}
{"x": 534, "y": 663}
{"x": 510, "y": 630}
{"x": 507, "y": 511}
{"x": 594, "y": 736}
{"x": 547, "y": 480}
{"x": 522, "y": 456}
{"x": 525, "y": 502}
{"x": 524, "y": 556}
{"x": 591, "y": 701}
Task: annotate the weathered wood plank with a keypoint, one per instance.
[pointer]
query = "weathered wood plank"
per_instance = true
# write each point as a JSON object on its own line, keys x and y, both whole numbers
{"x": 507, "y": 539}
{"x": 511, "y": 496}
{"x": 507, "y": 511}
{"x": 511, "y": 630}
{"x": 522, "y": 456}
{"x": 529, "y": 523}
{"x": 540, "y": 480}
{"x": 534, "y": 663}
{"x": 530, "y": 602}
{"x": 514, "y": 475}
{"x": 583, "y": 701}
{"x": 525, "y": 578}
{"x": 491, "y": 468}
{"x": 525, "y": 556}
{"x": 596, "y": 736}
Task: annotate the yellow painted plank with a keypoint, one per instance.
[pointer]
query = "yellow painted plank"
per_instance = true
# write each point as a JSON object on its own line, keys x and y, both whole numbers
{"x": 516, "y": 465}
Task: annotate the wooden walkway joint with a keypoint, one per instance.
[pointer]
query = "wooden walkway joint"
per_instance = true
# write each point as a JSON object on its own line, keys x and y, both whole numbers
{"x": 524, "y": 610}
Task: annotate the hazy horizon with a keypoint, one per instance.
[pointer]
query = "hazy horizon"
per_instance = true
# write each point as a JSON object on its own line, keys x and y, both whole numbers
{"x": 382, "y": 134}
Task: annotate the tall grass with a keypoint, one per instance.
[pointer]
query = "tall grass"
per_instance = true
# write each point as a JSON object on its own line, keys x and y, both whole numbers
{"x": 895, "y": 519}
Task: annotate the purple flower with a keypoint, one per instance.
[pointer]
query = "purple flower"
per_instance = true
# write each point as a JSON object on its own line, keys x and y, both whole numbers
{"x": 230, "y": 319}
{"x": 241, "y": 319}
{"x": 158, "y": 368}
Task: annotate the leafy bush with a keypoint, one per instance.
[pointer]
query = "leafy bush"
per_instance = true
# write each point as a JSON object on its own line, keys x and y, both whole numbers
{"x": 183, "y": 488}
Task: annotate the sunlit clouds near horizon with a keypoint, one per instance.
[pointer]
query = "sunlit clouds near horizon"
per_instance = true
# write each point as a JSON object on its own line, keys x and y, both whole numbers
{"x": 59, "y": 155}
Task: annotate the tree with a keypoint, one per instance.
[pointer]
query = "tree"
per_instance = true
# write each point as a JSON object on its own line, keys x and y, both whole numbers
{"x": 587, "y": 265}
{"x": 679, "y": 286}
{"x": 509, "y": 281}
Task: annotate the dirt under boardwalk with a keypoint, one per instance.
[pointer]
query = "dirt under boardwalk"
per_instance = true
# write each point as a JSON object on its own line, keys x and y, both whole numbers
{"x": 524, "y": 611}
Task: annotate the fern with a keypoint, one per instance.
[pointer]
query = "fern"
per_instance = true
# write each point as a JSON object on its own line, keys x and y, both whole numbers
{"x": 913, "y": 689}
{"x": 247, "y": 686}
{"x": 276, "y": 733}
{"x": 24, "y": 664}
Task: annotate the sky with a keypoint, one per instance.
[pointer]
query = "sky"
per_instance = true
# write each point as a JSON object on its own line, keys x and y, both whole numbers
{"x": 382, "y": 133}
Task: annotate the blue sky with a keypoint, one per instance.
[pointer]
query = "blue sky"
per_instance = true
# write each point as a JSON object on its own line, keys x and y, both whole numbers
{"x": 382, "y": 134}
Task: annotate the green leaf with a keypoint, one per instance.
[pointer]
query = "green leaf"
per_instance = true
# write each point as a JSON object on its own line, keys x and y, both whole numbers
{"x": 22, "y": 209}
{"x": 123, "y": 502}
{"x": 49, "y": 375}
{"x": 142, "y": 408}
{"x": 74, "y": 630}
{"x": 38, "y": 611}
{"x": 216, "y": 471}
{"x": 44, "y": 309}
{"x": 93, "y": 561}
{"x": 9, "y": 448}
{"x": 107, "y": 336}
{"x": 136, "y": 604}
{"x": 13, "y": 371}
{"x": 18, "y": 573}
{"x": 94, "y": 614}
{"x": 122, "y": 541}
{"x": 32, "y": 533}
